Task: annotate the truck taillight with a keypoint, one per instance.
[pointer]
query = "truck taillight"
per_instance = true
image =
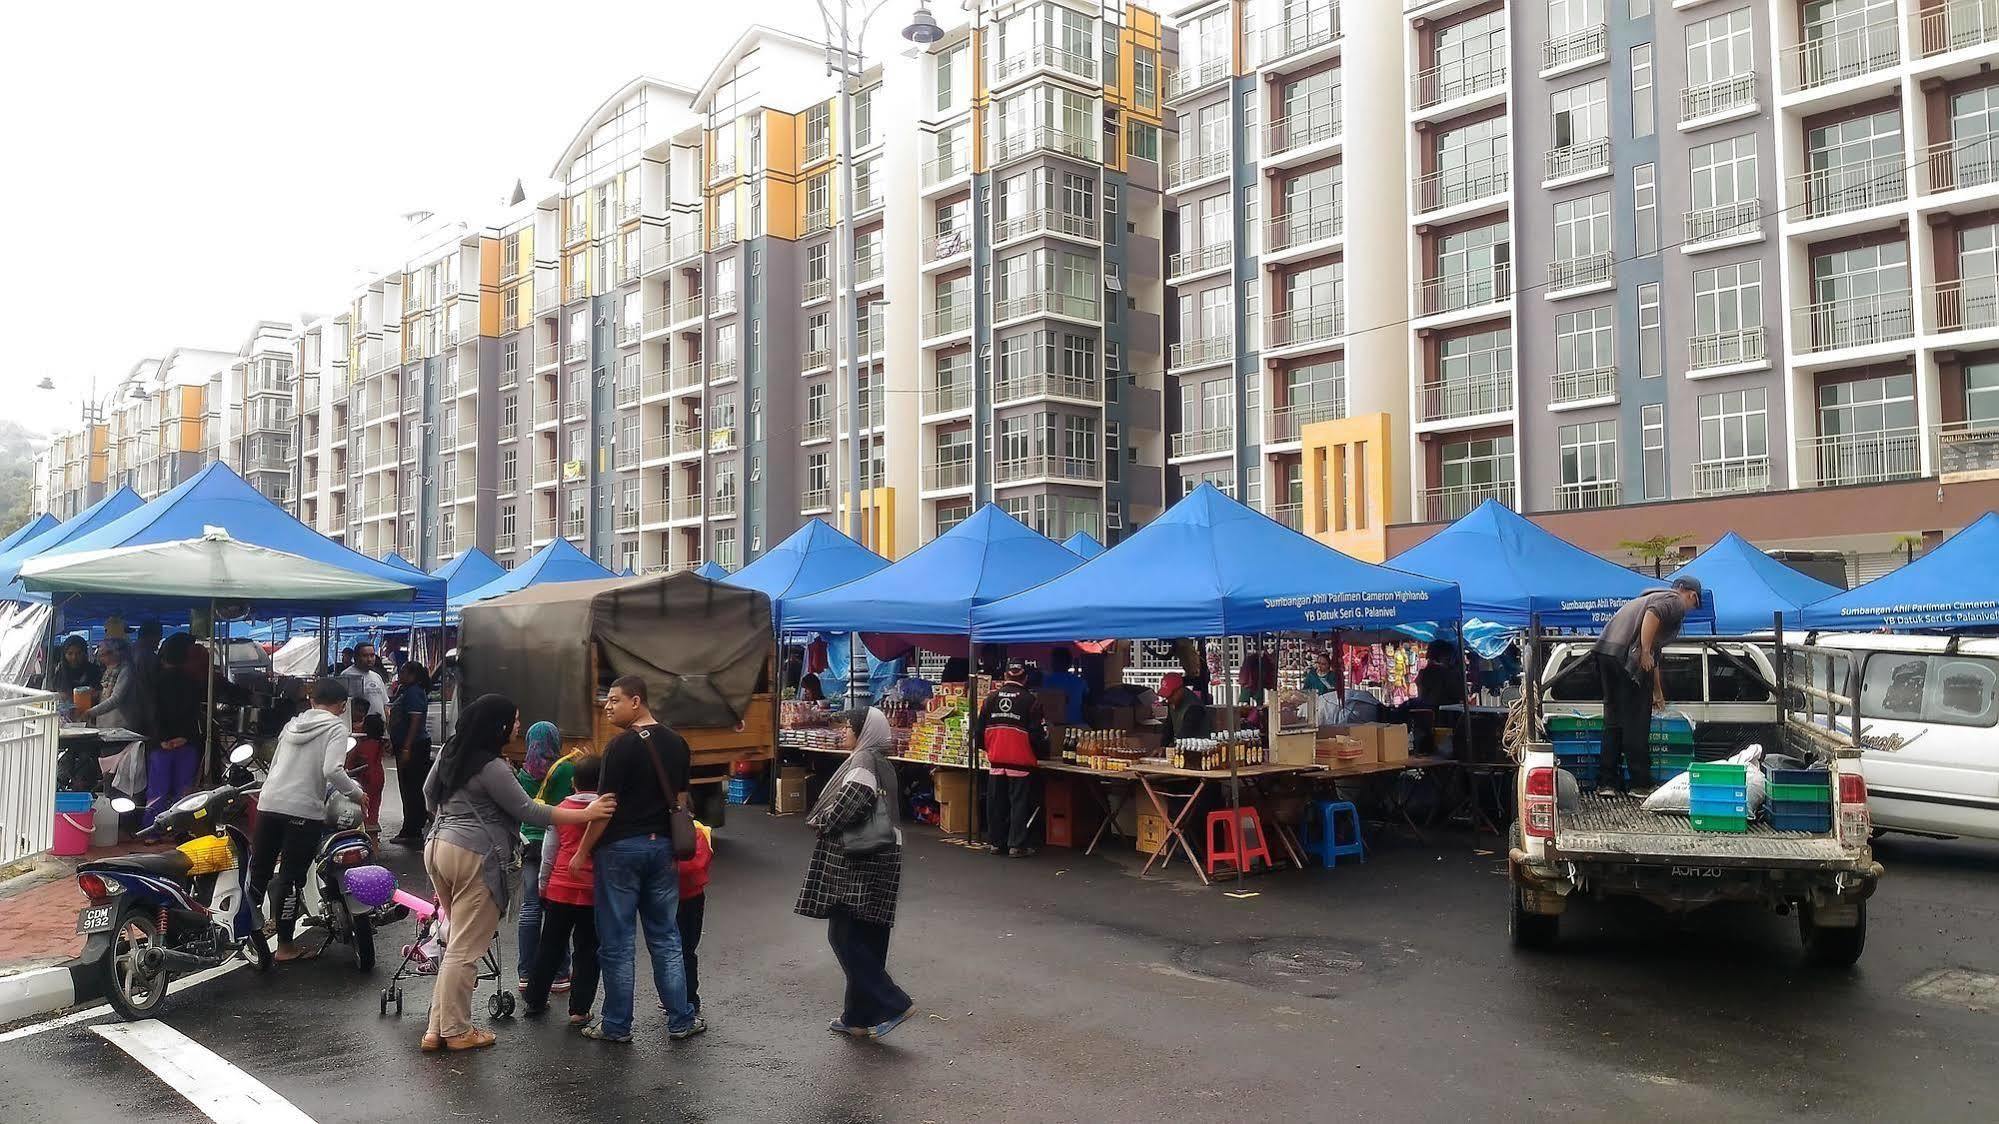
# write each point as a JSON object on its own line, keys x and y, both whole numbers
{"x": 1855, "y": 824}
{"x": 1852, "y": 788}
{"x": 1537, "y": 811}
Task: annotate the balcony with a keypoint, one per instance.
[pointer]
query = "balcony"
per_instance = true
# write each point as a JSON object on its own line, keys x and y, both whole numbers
{"x": 815, "y": 429}
{"x": 576, "y": 351}
{"x": 1723, "y": 97}
{"x": 687, "y": 310}
{"x": 1742, "y": 219}
{"x": 947, "y": 321}
{"x": 656, "y": 448}
{"x": 1967, "y": 305}
{"x": 547, "y": 297}
{"x": 1857, "y": 321}
{"x": 1955, "y": 25}
{"x": 1046, "y": 302}
{"x": 1313, "y": 125}
{"x": 546, "y": 356}
{"x": 653, "y": 258}
{"x": 1200, "y": 260}
{"x": 575, "y": 409}
{"x": 1863, "y": 458}
{"x": 1567, "y": 388}
{"x": 947, "y": 475}
{"x": 722, "y": 168}
{"x": 817, "y": 222}
{"x": 686, "y": 439}
{"x": 1962, "y": 162}
{"x": 1202, "y": 443}
{"x": 1588, "y": 495}
{"x": 1052, "y": 466}
{"x": 1851, "y": 187}
{"x": 724, "y": 235}
{"x": 722, "y": 304}
{"x": 576, "y": 290}
{"x": 1183, "y": 80}
{"x": 1476, "y": 73}
{"x": 945, "y": 168}
{"x": 1196, "y": 167}
{"x": 1455, "y": 292}
{"x": 628, "y": 209}
{"x": 1732, "y": 476}
{"x": 1742, "y": 347}
{"x": 812, "y": 501}
{"x": 815, "y": 359}
{"x": 686, "y": 376}
{"x": 1455, "y": 501}
{"x": 1581, "y": 160}
{"x": 684, "y": 508}
{"x": 628, "y": 270}
{"x": 867, "y": 198}
{"x": 1575, "y": 50}
{"x": 629, "y": 332}
{"x": 868, "y": 269}
{"x": 1291, "y": 515}
{"x": 1300, "y": 33}
{"x": 628, "y": 456}
{"x": 1200, "y": 352}
{"x": 686, "y": 247}
{"x": 818, "y": 149}
{"x": 1300, "y": 327}
{"x": 1826, "y": 59}
{"x": 949, "y": 244}
{"x": 721, "y": 371}
{"x": 544, "y": 413}
{"x": 628, "y": 393}
{"x": 1287, "y": 423}
{"x": 1079, "y": 66}
{"x": 626, "y": 519}
{"x": 656, "y": 320}
{"x": 723, "y": 507}
{"x": 1590, "y": 271}
{"x": 544, "y": 471}
{"x": 1454, "y": 187}
{"x": 1308, "y": 227}
{"x": 1453, "y": 399}
{"x": 1045, "y": 220}
{"x": 1012, "y": 147}
{"x": 1045, "y": 384}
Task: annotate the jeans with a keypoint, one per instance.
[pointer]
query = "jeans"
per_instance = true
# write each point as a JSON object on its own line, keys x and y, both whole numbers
{"x": 861, "y": 947}
{"x": 169, "y": 776}
{"x": 1627, "y": 726}
{"x": 1009, "y": 811}
{"x": 565, "y": 928}
{"x": 638, "y": 883}
{"x": 528, "y": 933}
{"x": 288, "y": 844}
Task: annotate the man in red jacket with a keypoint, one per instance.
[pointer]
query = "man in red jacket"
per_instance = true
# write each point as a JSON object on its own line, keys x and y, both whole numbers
{"x": 1010, "y": 731}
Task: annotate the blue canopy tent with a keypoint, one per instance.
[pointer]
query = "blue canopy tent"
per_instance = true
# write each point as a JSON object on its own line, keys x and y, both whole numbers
{"x": 1083, "y": 545}
{"x": 1749, "y": 586}
{"x": 1508, "y": 571}
{"x": 1953, "y": 586}
{"x": 27, "y": 531}
{"x": 815, "y": 557}
{"x": 104, "y": 511}
{"x": 559, "y": 561}
{"x": 400, "y": 562}
{"x": 468, "y": 571}
{"x": 713, "y": 571}
{"x": 933, "y": 592}
{"x": 1212, "y": 567}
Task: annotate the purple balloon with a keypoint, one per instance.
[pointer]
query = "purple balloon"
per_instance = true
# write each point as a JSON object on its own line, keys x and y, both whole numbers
{"x": 372, "y": 886}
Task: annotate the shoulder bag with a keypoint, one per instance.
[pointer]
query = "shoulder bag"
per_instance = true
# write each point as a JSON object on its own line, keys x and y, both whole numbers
{"x": 877, "y": 833}
{"x": 679, "y": 819}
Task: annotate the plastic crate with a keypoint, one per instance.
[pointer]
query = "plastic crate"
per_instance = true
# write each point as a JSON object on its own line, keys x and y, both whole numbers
{"x": 1574, "y": 723}
{"x": 1736, "y": 824}
{"x": 1800, "y": 793}
{"x": 1720, "y": 808}
{"x": 1817, "y": 820}
{"x": 1817, "y": 778}
{"x": 1720, "y": 772}
{"x": 746, "y": 790}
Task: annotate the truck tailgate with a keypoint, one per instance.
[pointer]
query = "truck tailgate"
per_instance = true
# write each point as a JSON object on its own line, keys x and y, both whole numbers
{"x": 1620, "y": 830}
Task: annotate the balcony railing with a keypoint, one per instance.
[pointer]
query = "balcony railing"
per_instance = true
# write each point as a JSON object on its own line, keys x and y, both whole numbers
{"x": 948, "y": 244}
{"x": 1584, "y": 157}
{"x": 721, "y": 304}
{"x": 1581, "y": 272}
{"x": 1566, "y": 387}
{"x": 1015, "y": 145}
{"x": 1455, "y": 501}
{"x": 576, "y": 290}
{"x": 1864, "y": 458}
{"x": 682, "y": 508}
{"x": 1851, "y": 187}
{"x": 628, "y": 394}
{"x": 1822, "y": 60}
{"x": 1304, "y": 31}
{"x": 1201, "y": 352}
{"x": 723, "y": 506}
{"x": 544, "y": 412}
{"x": 1292, "y": 515}
{"x": 1458, "y": 291}
{"x": 1311, "y": 125}
{"x": 686, "y": 247}
{"x": 687, "y": 309}
{"x": 815, "y": 429}
{"x": 544, "y": 470}
{"x": 1312, "y": 324}
{"x": 686, "y": 439}
{"x": 1453, "y": 187}
{"x": 1046, "y": 302}
{"x": 1591, "y": 44}
{"x": 1045, "y": 219}
{"x": 1048, "y": 467}
{"x": 867, "y": 198}
{"x": 1587, "y": 495}
{"x": 1729, "y": 220}
{"x": 1304, "y": 227}
{"x": 817, "y": 221}
{"x": 1453, "y": 398}
{"x": 628, "y": 332}
{"x": 1185, "y": 80}
{"x": 813, "y": 500}
{"x": 947, "y": 474}
{"x": 818, "y": 148}
{"x": 1200, "y": 259}
{"x": 868, "y": 269}
{"x": 685, "y": 375}
{"x": 1732, "y": 476}
{"x": 815, "y": 359}
{"x": 1287, "y": 423}
{"x": 721, "y": 371}
{"x": 1196, "y": 166}
{"x": 1046, "y": 384}
{"x": 1953, "y": 25}
{"x": 575, "y": 409}
{"x": 1069, "y": 62}
{"x": 815, "y": 290}
{"x": 575, "y": 351}
{"x": 1202, "y": 442}
{"x": 1967, "y": 305}
{"x": 628, "y": 456}
{"x": 724, "y": 235}
{"x": 1727, "y": 349}
{"x": 1856, "y": 321}
{"x": 723, "y": 167}
{"x": 947, "y": 321}
{"x": 1961, "y": 162}
{"x": 547, "y": 297}
{"x": 947, "y": 397}
{"x": 1723, "y": 95}
{"x": 946, "y": 167}
{"x": 1473, "y": 74}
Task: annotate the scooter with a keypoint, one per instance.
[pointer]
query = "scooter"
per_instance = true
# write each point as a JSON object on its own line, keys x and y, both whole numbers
{"x": 326, "y": 903}
{"x": 155, "y": 916}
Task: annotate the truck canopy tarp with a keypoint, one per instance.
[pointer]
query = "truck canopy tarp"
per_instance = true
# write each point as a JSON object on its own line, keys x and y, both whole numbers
{"x": 699, "y": 645}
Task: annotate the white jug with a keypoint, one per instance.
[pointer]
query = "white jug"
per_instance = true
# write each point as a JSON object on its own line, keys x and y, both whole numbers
{"x": 104, "y": 833}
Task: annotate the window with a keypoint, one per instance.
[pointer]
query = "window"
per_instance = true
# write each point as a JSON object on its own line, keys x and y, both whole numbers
{"x": 1728, "y": 308}
{"x": 1472, "y": 265}
{"x": 1466, "y": 56}
{"x": 1476, "y": 372}
{"x": 725, "y": 547}
{"x": 510, "y": 470}
{"x": 1483, "y": 467}
{"x": 1651, "y": 342}
{"x": 1947, "y": 690}
{"x": 1589, "y": 453}
{"x": 1113, "y": 452}
{"x": 1735, "y": 430}
{"x": 1724, "y": 175}
{"x": 1652, "y": 440}
{"x": 864, "y": 116}
{"x": 1145, "y": 76}
{"x": 1640, "y": 9}
{"x": 1860, "y": 295}
{"x": 1585, "y": 342}
{"x": 1572, "y": 17}
{"x": 1471, "y": 162}
{"x": 1582, "y": 231}
{"x": 1642, "y": 112}
{"x": 1870, "y": 407}
{"x": 1142, "y": 141}
{"x": 948, "y": 63}
{"x": 1645, "y": 209}
{"x": 1981, "y": 395}
{"x": 1580, "y": 117}
{"x": 1719, "y": 48}
{"x": 817, "y": 197}
{"x": 1855, "y": 163}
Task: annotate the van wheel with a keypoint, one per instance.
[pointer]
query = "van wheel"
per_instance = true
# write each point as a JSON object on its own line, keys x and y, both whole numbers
{"x": 1827, "y": 947}
{"x": 1536, "y": 931}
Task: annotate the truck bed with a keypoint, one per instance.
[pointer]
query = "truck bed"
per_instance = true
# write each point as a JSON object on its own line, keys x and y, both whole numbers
{"x": 1619, "y": 829}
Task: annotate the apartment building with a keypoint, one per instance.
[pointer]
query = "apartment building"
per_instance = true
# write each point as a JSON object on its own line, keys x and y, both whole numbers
{"x": 156, "y": 426}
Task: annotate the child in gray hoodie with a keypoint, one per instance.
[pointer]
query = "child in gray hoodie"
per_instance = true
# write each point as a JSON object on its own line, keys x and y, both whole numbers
{"x": 291, "y": 807}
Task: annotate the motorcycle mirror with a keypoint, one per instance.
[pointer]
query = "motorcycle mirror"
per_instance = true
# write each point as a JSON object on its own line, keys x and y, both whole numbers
{"x": 242, "y": 754}
{"x": 123, "y": 805}
{"x": 351, "y": 743}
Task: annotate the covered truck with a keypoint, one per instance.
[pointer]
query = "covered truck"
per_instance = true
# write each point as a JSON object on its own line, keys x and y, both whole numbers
{"x": 705, "y": 650}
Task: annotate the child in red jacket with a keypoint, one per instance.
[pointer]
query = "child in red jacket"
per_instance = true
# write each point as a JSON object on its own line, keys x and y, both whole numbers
{"x": 568, "y": 908}
{"x": 693, "y": 905}
{"x": 366, "y": 756}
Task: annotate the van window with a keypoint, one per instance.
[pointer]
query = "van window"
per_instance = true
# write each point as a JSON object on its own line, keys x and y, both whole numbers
{"x": 1579, "y": 682}
{"x": 1728, "y": 683}
{"x": 1948, "y": 690}
{"x": 1680, "y": 675}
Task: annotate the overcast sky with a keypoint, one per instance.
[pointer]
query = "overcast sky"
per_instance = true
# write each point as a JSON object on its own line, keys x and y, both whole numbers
{"x": 178, "y": 172}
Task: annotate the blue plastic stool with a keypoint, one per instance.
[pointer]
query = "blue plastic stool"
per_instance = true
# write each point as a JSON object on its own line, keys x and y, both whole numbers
{"x": 1322, "y": 832}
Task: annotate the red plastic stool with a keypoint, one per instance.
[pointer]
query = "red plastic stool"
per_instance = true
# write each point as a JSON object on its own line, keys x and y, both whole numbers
{"x": 1245, "y": 842}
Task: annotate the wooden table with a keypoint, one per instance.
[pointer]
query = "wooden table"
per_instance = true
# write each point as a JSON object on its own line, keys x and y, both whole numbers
{"x": 1105, "y": 783}
{"x": 1369, "y": 770}
{"x": 1249, "y": 775}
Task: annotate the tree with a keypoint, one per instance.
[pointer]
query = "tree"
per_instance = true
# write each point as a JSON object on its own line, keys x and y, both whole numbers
{"x": 1908, "y": 545}
{"x": 1655, "y": 550}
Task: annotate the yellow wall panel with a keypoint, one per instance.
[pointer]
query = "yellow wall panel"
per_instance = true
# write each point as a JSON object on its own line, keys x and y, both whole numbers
{"x": 1346, "y": 467}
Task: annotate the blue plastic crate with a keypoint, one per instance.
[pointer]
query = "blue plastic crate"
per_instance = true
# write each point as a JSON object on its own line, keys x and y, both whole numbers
{"x": 1819, "y": 777}
{"x": 1817, "y": 820}
{"x": 1718, "y": 807}
{"x": 1728, "y": 793}
{"x": 746, "y": 790}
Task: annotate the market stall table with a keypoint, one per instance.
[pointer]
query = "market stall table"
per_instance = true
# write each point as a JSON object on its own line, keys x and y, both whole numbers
{"x": 1250, "y": 777}
{"x": 1112, "y": 789}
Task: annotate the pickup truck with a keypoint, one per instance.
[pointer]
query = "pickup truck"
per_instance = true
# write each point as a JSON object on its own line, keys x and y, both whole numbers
{"x": 1566, "y": 848}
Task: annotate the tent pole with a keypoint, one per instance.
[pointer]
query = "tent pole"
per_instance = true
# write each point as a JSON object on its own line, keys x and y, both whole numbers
{"x": 1235, "y": 775}
{"x": 208, "y": 727}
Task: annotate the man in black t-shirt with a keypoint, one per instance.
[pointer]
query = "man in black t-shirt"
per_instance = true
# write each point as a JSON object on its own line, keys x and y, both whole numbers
{"x": 1627, "y": 657}
{"x": 638, "y": 875}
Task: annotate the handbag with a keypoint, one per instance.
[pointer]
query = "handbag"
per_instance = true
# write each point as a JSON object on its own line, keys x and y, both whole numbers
{"x": 678, "y": 818}
{"x": 878, "y": 833}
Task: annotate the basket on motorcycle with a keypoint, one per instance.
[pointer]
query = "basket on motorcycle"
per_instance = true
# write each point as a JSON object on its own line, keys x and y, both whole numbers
{"x": 210, "y": 854}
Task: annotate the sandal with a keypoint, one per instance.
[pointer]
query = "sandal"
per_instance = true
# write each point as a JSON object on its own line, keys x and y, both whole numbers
{"x": 431, "y": 1044}
{"x": 596, "y": 1031}
{"x": 471, "y": 1040}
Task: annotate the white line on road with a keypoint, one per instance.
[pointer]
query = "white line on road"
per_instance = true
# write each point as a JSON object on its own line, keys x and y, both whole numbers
{"x": 101, "y": 1009}
{"x": 224, "y": 1093}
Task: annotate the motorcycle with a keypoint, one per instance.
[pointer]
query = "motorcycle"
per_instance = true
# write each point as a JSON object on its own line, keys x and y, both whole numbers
{"x": 328, "y": 905}
{"x": 155, "y": 916}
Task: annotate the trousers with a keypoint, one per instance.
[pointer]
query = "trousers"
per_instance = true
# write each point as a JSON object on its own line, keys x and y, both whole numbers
{"x": 1627, "y": 726}
{"x": 692, "y": 911}
{"x": 409, "y": 782}
{"x": 169, "y": 776}
{"x": 1010, "y": 808}
{"x": 287, "y": 844}
{"x": 638, "y": 883}
{"x": 861, "y": 947}
{"x": 568, "y": 945}
{"x": 459, "y": 878}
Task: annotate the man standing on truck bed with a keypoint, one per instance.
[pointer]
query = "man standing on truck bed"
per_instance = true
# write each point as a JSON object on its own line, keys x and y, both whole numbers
{"x": 1627, "y": 658}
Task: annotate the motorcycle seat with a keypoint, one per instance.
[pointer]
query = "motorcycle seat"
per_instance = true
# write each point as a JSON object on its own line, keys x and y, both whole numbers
{"x": 165, "y": 864}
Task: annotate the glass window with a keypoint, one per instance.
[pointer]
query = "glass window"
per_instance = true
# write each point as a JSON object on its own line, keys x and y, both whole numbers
{"x": 1869, "y": 406}
{"x": 1589, "y": 453}
{"x": 1724, "y": 172}
{"x": 948, "y": 64}
{"x": 1652, "y": 441}
{"x": 1466, "y": 56}
{"x": 1642, "y": 112}
{"x": 1470, "y": 162}
{"x": 1585, "y": 341}
{"x": 1476, "y": 371}
{"x": 1728, "y": 298}
{"x": 1145, "y": 76}
{"x": 1719, "y": 48}
{"x": 1734, "y": 426}
{"x": 1571, "y": 17}
{"x": 1582, "y": 228}
{"x": 1981, "y": 394}
{"x": 1580, "y": 114}
{"x": 1651, "y": 344}
{"x": 1645, "y": 209}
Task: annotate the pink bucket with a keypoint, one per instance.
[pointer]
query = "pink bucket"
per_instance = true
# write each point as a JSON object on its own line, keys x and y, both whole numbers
{"x": 75, "y": 820}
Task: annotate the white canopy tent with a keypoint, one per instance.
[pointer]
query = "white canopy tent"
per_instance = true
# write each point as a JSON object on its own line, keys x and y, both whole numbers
{"x": 214, "y": 567}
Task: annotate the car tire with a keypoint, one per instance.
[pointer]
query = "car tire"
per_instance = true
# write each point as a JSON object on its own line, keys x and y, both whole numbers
{"x": 1834, "y": 949}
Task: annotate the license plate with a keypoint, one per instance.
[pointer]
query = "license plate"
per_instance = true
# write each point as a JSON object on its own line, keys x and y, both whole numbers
{"x": 1697, "y": 872}
{"x": 95, "y": 919}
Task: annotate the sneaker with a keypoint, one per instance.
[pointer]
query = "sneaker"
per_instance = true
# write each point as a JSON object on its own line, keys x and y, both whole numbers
{"x": 698, "y": 1026}
{"x": 881, "y": 1029}
{"x": 996, "y": 852}
{"x": 1642, "y": 793}
{"x": 596, "y": 1030}
{"x": 1608, "y": 793}
{"x": 1022, "y": 853}
{"x": 838, "y": 1026}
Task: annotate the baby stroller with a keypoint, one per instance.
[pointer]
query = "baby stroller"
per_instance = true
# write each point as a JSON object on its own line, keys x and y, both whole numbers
{"x": 422, "y": 957}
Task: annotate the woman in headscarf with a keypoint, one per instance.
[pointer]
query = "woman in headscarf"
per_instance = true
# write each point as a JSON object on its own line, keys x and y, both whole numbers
{"x": 477, "y": 808}
{"x": 856, "y": 877}
{"x": 544, "y": 749}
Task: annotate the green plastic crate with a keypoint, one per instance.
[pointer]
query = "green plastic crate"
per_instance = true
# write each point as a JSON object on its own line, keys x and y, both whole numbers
{"x": 1672, "y": 737}
{"x": 1574, "y": 724}
{"x": 1719, "y": 772}
{"x": 1737, "y": 824}
{"x": 1821, "y": 794}
{"x": 1669, "y": 764}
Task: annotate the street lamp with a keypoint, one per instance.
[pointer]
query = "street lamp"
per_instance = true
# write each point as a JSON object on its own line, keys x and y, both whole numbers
{"x": 922, "y": 29}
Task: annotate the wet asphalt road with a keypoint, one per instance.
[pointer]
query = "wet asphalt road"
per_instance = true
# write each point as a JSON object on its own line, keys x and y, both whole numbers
{"x": 1067, "y": 988}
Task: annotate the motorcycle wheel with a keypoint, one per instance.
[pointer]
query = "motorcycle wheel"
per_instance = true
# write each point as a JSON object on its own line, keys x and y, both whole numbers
{"x": 131, "y": 991}
{"x": 259, "y": 951}
{"x": 362, "y": 930}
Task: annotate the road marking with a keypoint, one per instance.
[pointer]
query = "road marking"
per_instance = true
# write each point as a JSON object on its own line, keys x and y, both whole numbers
{"x": 224, "y": 1093}
{"x": 102, "y": 1009}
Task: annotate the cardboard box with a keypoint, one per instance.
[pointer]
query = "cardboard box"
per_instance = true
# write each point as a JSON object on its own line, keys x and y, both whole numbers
{"x": 1391, "y": 741}
{"x": 954, "y": 816}
{"x": 793, "y": 773}
{"x": 1071, "y": 817}
{"x": 1152, "y": 835}
{"x": 1345, "y": 745}
{"x": 790, "y": 795}
{"x": 952, "y": 786}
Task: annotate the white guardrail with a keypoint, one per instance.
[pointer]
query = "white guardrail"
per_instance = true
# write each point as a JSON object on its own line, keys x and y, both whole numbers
{"x": 28, "y": 726}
